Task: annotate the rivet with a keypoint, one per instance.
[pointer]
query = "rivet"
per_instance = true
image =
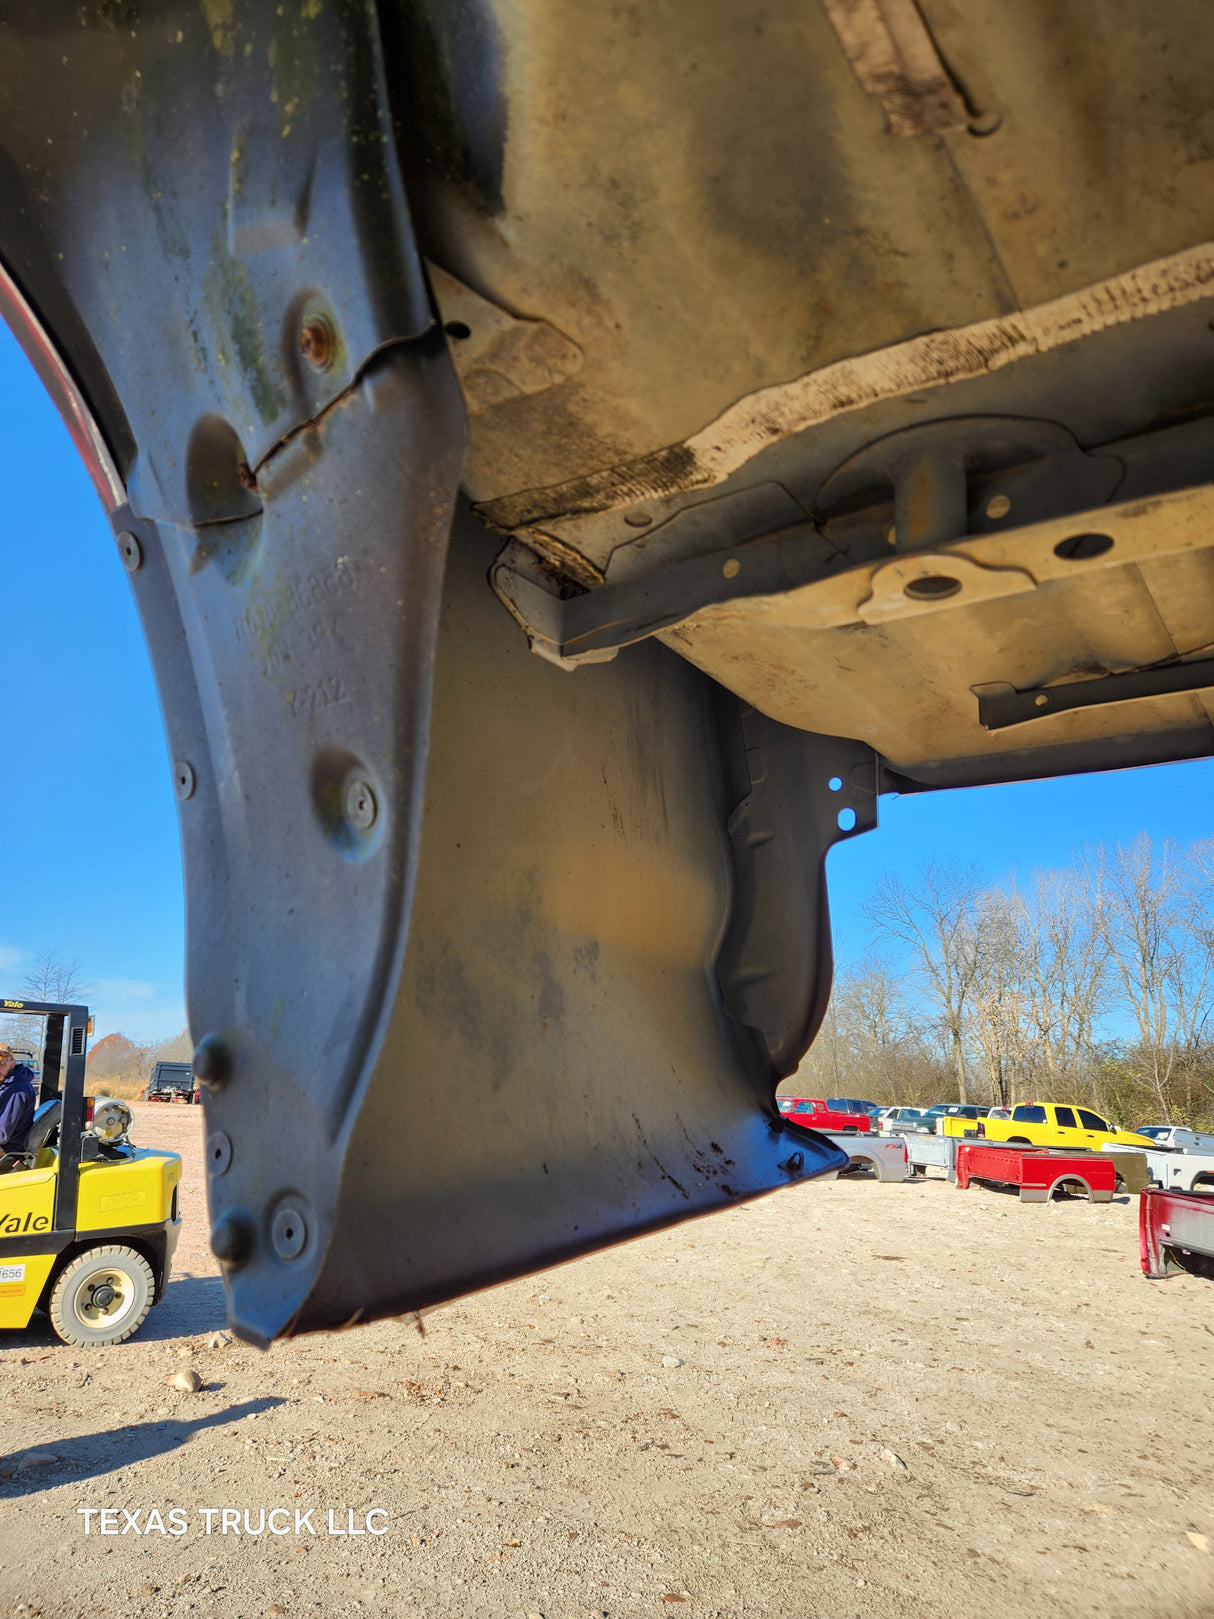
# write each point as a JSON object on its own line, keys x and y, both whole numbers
{"x": 232, "y": 1238}
{"x": 130, "y": 550}
{"x": 219, "y": 1153}
{"x": 1040, "y": 700}
{"x": 183, "y": 779}
{"x": 637, "y": 519}
{"x": 212, "y": 1062}
{"x": 732, "y": 568}
{"x": 360, "y": 806}
{"x": 316, "y": 343}
{"x": 289, "y": 1232}
{"x": 998, "y": 506}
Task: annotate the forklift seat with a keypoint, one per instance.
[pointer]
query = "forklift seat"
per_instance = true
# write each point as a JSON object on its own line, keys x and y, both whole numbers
{"x": 41, "y": 1128}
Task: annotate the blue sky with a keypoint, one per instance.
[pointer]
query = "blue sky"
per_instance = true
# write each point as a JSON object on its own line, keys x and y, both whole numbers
{"x": 1014, "y": 829}
{"x": 89, "y": 859}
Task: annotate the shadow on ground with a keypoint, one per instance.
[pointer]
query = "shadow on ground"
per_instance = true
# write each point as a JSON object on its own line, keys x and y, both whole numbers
{"x": 91, "y": 1455}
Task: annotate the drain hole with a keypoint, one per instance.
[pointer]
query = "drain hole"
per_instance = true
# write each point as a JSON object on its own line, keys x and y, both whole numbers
{"x": 458, "y": 330}
{"x": 933, "y": 587}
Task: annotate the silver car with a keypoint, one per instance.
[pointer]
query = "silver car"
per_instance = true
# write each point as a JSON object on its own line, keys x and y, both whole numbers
{"x": 901, "y": 1121}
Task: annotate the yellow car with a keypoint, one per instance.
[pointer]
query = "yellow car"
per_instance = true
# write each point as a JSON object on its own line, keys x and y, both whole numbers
{"x": 1047, "y": 1124}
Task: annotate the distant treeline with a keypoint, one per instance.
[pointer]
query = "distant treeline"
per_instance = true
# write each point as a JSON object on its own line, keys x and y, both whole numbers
{"x": 121, "y": 1068}
{"x": 1094, "y": 984}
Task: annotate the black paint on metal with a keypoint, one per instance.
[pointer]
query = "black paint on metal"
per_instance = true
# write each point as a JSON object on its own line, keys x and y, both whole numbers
{"x": 806, "y": 793}
{"x": 616, "y": 615}
{"x": 998, "y": 710}
{"x": 562, "y": 1066}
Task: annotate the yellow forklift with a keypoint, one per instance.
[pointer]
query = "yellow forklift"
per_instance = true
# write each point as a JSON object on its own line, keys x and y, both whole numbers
{"x": 88, "y": 1221}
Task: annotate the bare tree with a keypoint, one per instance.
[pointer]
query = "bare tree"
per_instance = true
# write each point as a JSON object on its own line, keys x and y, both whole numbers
{"x": 1161, "y": 954}
{"x": 54, "y": 978}
{"x": 936, "y": 921}
{"x": 871, "y": 1043}
{"x": 997, "y": 1001}
{"x": 1064, "y": 951}
{"x": 50, "y": 979}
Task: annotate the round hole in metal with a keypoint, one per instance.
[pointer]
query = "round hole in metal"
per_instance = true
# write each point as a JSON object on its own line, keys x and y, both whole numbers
{"x": 1083, "y": 547}
{"x": 931, "y": 587}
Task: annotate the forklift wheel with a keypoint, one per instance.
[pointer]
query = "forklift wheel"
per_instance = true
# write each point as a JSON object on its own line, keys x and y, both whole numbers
{"x": 102, "y": 1297}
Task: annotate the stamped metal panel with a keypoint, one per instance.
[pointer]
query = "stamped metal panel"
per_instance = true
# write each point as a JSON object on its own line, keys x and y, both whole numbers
{"x": 560, "y": 1068}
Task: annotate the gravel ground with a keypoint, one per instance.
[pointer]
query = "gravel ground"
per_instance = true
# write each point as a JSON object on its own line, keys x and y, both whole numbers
{"x": 845, "y": 1400}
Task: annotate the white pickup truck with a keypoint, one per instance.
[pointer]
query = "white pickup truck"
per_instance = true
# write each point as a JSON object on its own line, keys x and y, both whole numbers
{"x": 1177, "y": 1168}
{"x": 1178, "y": 1137}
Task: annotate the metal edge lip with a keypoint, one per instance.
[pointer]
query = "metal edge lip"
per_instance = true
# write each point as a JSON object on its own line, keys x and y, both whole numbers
{"x": 65, "y": 394}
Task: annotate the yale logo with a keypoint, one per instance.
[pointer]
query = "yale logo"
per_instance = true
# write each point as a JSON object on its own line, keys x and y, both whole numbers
{"x": 13, "y": 1006}
{"x": 12, "y": 1225}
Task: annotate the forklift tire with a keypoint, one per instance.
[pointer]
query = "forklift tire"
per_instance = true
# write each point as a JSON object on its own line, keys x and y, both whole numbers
{"x": 102, "y": 1297}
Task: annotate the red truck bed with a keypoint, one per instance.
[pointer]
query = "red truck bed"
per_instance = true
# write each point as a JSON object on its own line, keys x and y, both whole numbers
{"x": 1176, "y": 1232}
{"x": 1036, "y": 1170}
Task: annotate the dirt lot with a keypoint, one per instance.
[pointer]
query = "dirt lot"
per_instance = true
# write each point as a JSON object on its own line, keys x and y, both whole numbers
{"x": 712, "y": 1421}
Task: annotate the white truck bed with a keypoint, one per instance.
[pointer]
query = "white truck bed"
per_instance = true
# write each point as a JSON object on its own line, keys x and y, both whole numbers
{"x": 1175, "y": 1171}
{"x": 886, "y": 1154}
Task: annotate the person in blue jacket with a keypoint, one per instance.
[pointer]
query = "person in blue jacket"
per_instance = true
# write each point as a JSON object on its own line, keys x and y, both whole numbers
{"x": 18, "y": 1100}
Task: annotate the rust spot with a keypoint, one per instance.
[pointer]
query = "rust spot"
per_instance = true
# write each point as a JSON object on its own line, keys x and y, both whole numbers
{"x": 316, "y": 343}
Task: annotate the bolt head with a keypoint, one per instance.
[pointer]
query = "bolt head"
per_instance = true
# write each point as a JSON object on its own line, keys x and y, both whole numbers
{"x": 232, "y": 1239}
{"x": 212, "y": 1062}
{"x": 183, "y": 779}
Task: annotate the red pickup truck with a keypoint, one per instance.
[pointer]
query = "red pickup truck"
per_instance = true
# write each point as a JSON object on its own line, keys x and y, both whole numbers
{"x": 815, "y": 1115}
